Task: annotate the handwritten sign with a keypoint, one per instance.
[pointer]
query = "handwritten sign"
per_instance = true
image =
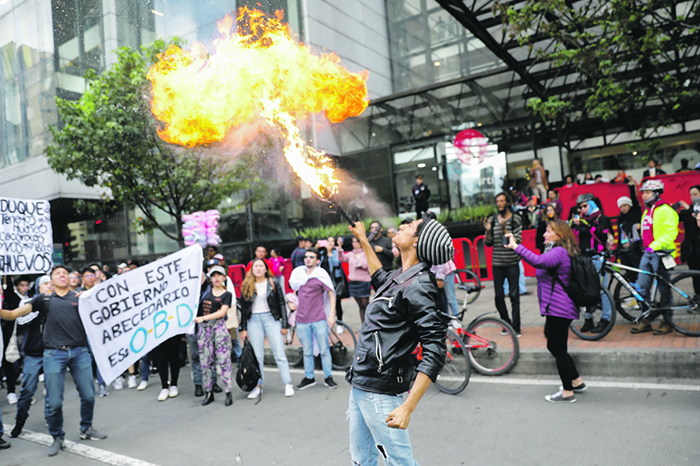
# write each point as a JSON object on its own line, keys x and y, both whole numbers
{"x": 26, "y": 237}
{"x": 128, "y": 315}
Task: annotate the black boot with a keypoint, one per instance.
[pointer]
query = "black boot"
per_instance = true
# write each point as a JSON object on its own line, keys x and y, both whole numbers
{"x": 587, "y": 326}
{"x": 229, "y": 399}
{"x": 602, "y": 325}
{"x": 198, "y": 390}
{"x": 17, "y": 429}
{"x": 208, "y": 398}
{"x": 216, "y": 389}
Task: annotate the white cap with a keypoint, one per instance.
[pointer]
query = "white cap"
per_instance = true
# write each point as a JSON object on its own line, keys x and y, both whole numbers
{"x": 217, "y": 269}
{"x": 624, "y": 200}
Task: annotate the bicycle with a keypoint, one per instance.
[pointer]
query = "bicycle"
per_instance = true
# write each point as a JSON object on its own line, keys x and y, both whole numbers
{"x": 467, "y": 292}
{"x": 341, "y": 344}
{"x": 454, "y": 375}
{"x": 491, "y": 342}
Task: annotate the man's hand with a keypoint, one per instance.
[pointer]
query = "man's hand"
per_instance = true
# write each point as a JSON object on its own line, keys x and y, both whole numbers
{"x": 283, "y": 331}
{"x": 487, "y": 224}
{"x": 440, "y": 283}
{"x": 244, "y": 334}
{"x": 331, "y": 321}
{"x": 399, "y": 418}
{"x": 378, "y": 249}
{"x": 292, "y": 306}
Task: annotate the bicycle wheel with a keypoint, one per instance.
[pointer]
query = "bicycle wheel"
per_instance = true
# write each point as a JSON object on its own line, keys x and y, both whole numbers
{"x": 687, "y": 319}
{"x": 626, "y": 303}
{"x": 492, "y": 345}
{"x": 597, "y": 312}
{"x": 454, "y": 376}
{"x": 342, "y": 345}
{"x": 467, "y": 288}
{"x": 293, "y": 349}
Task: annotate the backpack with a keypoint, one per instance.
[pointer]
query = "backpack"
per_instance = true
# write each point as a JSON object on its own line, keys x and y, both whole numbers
{"x": 248, "y": 373}
{"x": 584, "y": 282}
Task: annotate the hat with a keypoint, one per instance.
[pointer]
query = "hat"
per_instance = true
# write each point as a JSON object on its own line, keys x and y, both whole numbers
{"x": 122, "y": 265}
{"x": 217, "y": 269}
{"x": 41, "y": 280}
{"x": 434, "y": 243}
{"x": 219, "y": 257}
{"x": 212, "y": 262}
{"x": 624, "y": 200}
{"x": 656, "y": 186}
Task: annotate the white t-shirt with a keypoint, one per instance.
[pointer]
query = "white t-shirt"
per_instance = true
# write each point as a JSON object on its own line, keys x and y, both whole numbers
{"x": 260, "y": 305}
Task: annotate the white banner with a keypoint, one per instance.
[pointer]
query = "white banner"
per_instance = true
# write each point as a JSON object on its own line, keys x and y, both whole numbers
{"x": 26, "y": 237}
{"x": 128, "y": 315}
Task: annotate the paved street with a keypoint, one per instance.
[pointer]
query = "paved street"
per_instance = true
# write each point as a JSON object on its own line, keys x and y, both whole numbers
{"x": 495, "y": 421}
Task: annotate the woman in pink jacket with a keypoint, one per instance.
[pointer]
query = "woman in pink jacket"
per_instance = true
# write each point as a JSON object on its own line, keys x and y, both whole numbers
{"x": 555, "y": 305}
{"x": 359, "y": 279}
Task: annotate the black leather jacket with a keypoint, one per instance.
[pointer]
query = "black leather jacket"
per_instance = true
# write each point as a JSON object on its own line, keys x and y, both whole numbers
{"x": 403, "y": 313}
{"x": 275, "y": 300}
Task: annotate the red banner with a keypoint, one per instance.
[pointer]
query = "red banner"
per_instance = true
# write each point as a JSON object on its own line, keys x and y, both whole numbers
{"x": 677, "y": 186}
{"x": 606, "y": 192}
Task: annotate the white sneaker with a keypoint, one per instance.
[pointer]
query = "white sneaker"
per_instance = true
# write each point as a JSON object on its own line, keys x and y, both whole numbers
{"x": 255, "y": 393}
{"x": 132, "y": 381}
{"x": 339, "y": 329}
{"x": 174, "y": 392}
{"x": 12, "y": 398}
{"x": 118, "y": 383}
{"x": 41, "y": 377}
{"x": 142, "y": 385}
{"x": 163, "y": 395}
{"x": 289, "y": 390}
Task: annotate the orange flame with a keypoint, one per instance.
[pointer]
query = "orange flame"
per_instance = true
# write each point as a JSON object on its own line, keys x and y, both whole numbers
{"x": 261, "y": 71}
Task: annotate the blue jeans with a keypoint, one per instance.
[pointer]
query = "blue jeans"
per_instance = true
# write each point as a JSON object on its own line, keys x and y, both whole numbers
{"x": 449, "y": 288}
{"x": 146, "y": 366}
{"x": 79, "y": 360}
{"x": 651, "y": 262}
{"x": 263, "y": 324}
{"x": 607, "y": 310}
{"x": 369, "y": 434}
{"x": 30, "y": 382}
{"x": 521, "y": 280}
{"x": 306, "y": 334}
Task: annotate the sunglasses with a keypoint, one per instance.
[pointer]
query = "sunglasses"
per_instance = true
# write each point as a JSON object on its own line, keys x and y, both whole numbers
{"x": 309, "y": 257}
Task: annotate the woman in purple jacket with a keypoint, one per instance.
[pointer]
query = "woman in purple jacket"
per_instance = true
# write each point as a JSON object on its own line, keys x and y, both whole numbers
{"x": 555, "y": 304}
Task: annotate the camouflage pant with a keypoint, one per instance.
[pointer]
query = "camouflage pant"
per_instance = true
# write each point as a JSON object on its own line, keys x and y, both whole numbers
{"x": 214, "y": 344}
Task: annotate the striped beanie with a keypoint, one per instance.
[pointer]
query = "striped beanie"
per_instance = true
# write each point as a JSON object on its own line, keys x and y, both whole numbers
{"x": 434, "y": 244}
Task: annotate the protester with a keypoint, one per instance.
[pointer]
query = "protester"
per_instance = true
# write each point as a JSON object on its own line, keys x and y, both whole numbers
{"x": 213, "y": 337}
{"x": 88, "y": 279}
{"x": 532, "y": 214}
{"x": 21, "y": 290}
{"x": 553, "y": 198}
{"x": 587, "y": 178}
{"x": 629, "y": 249}
{"x": 297, "y": 256}
{"x": 659, "y": 232}
{"x": 569, "y": 181}
{"x": 195, "y": 364}
{"x": 653, "y": 170}
{"x": 121, "y": 268}
{"x": 690, "y": 248}
{"x": 403, "y": 314}
{"x": 330, "y": 255}
{"x": 549, "y": 215}
{"x": 66, "y": 346}
{"x": 360, "y": 281}
{"x": 553, "y": 274}
{"x": 684, "y": 166}
{"x": 277, "y": 266}
{"x": 263, "y": 314}
{"x": 315, "y": 314}
{"x": 260, "y": 253}
{"x": 538, "y": 180}
{"x": 445, "y": 277}
{"x": 518, "y": 198}
{"x": 621, "y": 177}
{"x": 75, "y": 279}
{"x": 382, "y": 246}
{"x": 421, "y": 195}
{"x": 505, "y": 261}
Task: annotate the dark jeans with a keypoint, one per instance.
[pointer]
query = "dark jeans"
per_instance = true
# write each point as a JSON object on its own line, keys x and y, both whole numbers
{"x": 556, "y": 330}
{"x": 30, "y": 382}
{"x": 631, "y": 258}
{"x": 499, "y": 276}
{"x": 165, "y": 355}
{"x": 694, "y": 264}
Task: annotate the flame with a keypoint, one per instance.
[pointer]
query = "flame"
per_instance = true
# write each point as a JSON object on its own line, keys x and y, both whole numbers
{"x": 259, "y": 72}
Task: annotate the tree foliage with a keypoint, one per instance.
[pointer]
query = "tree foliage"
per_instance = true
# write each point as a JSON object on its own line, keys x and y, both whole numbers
{"x": 109, "y": 140}
{"x": 626, "y": 57}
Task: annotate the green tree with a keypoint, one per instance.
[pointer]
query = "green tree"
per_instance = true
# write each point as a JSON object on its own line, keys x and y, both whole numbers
{"x": 109, "y": 140}
{"x": 636, "y": 59}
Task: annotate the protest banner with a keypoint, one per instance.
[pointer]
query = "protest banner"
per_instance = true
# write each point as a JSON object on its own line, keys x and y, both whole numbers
{"x": 128, "y": 315}
{"x": 26, "y": 237}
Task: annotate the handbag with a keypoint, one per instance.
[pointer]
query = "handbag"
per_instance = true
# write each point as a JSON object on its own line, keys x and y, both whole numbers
{"x": 342, "y": 289}
{"x": 248, "y": 373}
{"x": 12, "y": 353}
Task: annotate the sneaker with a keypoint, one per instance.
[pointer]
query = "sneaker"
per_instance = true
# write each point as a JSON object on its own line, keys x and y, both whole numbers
{"x": 216, "y": 389}
{"x": 642, "y": 327}
{"x": 132, "y": 381}
{"x": 103, "y": 391}
{"x": 306, "y": 383}
{"x": 91, "y": 434}
{"x": 504, "y": 332}
{"x": 254, "y": 393}
{"x": 12, "y": 398}
{"x": 518, "y": 334}
{"x": 142, "y": 385}
{"x": 3, "y": 444}
{"x": 587, "y": 326}
{"x": 55, "y": 447}
{"x": 17, "y": 429}
{"x": 198, "y": 390}
{"x": 118, "y": 383}
{"x": 602, "y": 325}
{"x": 164, "y": 394}
{"x": 579, "y": 389}
{"x": 663, "y": 329}
{"x": 330, "y": 383}
{"x": 339, "y": 329}
{"x": 173, "y": 392}
{"x": 41, "y": 378}
{"x": 559, "y": 397}
{"x": 455, "y": 324}
{"x": 288, "y": 390}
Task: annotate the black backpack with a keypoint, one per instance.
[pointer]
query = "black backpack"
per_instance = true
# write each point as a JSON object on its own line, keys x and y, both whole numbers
{"x": 248, "y": 373}
{"x": 584, "y": 282}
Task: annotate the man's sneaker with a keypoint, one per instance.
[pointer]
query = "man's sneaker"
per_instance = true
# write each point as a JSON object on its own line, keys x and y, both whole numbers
{"x": 339, "y": 329}
{"x": 289, "y": 390}
{"x": 103, "y": 391}
{"x": 330, "y": 383}
{"x": 216, "y": 389}
{"x": 579, "y": 389}
{"x": 12, "y": 398}
{"x": 55, "y": 447}
{"x": 559, "y": 397}
{"x": 132, "y": 381}
{"x": 118, "y": 383}
{"x": 642, "y": 327}
{"x": 306, "y": 383}
{"x": 91, "y": 434}
{"x": 602, "y": 325}
{"x": 588, "y": 325}
{"x": 142, "y": 385}
{"x": 254, "y": 393}
{"x": 3, "y": 444}
{"x": 504, "y": 332}
{"x": 198, "y": 390}
{"x": 17, "y": 429}
{"x": 164, "y": 394}
{"x": 663, "y": 329}
{"x": 173, "y": 392}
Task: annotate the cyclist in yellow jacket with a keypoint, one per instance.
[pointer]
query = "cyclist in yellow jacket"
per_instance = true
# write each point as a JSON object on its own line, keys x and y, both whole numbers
{"x": 659, "y": 231}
